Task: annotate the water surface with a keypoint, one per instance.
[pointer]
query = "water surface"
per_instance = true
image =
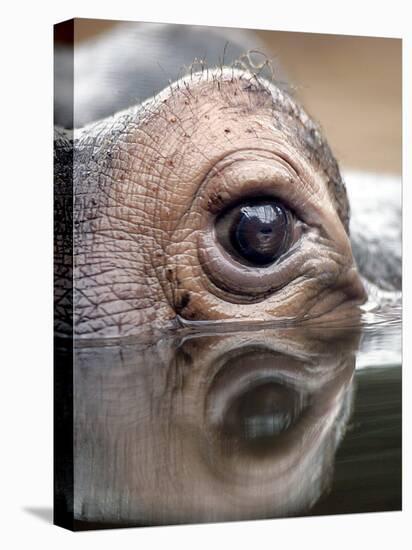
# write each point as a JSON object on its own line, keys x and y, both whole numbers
{"x": 231, "y": 425}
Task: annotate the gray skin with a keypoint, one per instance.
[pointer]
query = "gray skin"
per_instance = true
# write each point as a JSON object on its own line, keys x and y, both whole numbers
{"x": 137, "y": 196}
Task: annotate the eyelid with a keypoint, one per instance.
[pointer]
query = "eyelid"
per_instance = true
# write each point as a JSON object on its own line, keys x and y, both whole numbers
{"x": 254, "y": 195}
{"x": 253, "y": 283}
{"x": 263, "y": 175}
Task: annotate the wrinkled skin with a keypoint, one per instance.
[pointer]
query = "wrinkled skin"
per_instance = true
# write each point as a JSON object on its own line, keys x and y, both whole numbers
{"x": 149, "y": 184}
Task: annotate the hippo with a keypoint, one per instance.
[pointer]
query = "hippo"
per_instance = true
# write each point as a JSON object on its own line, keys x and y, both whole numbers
{"x": 218, "y": 200}
{"x": 215, "y": 273}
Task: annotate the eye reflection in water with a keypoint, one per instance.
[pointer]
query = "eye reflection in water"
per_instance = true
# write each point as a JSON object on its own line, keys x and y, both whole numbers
{"x": 211, "y": 428}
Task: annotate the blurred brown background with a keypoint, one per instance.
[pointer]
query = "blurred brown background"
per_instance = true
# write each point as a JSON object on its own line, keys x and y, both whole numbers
{"x": 351, "y": 85}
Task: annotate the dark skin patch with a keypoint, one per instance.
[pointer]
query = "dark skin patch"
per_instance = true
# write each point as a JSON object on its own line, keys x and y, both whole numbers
{"x": 193, "y": 316}
{"x": 215, "y": 202}
{"x": 183, "y": 302}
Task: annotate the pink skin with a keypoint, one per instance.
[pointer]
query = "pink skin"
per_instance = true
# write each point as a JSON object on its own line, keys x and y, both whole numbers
{"x": 152, "y": 181}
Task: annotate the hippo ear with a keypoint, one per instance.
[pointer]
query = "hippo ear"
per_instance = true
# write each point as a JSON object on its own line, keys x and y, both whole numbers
{"x": 375, "y": 228}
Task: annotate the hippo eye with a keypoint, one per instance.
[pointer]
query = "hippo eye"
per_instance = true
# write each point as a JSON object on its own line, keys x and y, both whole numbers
{"x": 257, "y": 232}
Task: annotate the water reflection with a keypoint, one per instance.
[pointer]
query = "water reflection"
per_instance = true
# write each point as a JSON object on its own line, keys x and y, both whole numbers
{"x": 211, "y": 428}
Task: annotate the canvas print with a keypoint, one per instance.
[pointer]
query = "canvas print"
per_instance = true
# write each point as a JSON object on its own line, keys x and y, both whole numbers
{"x": 227, "y": 253}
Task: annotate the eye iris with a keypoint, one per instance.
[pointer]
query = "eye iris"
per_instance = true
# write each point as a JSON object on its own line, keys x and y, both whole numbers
{"x": 259, "y": 232}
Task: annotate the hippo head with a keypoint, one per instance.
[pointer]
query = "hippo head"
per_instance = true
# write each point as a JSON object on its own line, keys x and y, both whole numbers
{"x": 218, "y": 200}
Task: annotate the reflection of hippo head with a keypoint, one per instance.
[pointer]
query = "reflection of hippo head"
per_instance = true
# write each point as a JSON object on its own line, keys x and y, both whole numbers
{"x": 217, "y": 200}
{"x": 226, "y": 427}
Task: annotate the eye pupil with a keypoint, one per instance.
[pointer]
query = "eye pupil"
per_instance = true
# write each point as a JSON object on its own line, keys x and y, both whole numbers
{"x": 259, "y": 232}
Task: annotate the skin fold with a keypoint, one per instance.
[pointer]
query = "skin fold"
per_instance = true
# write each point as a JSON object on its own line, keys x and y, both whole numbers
{"x": 149, "y": 184}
